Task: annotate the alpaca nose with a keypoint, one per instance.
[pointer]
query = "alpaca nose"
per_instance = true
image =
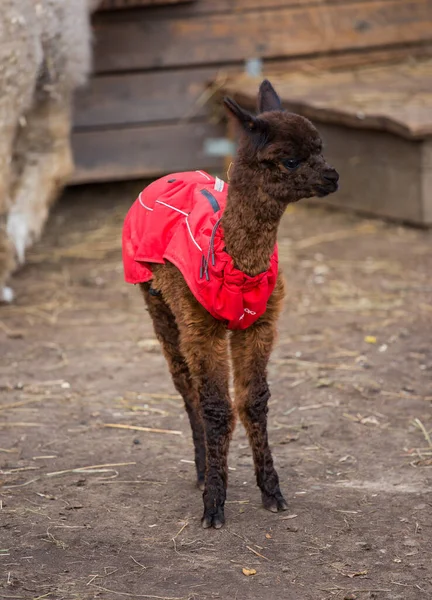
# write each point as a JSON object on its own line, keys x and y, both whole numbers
{"x": 331, "y": 175}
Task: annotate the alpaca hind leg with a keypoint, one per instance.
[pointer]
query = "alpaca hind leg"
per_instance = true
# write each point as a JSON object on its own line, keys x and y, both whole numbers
{"x": 45, "y": 161}
{"x": 168, "y": 334}
{"x": 250, "y": 350}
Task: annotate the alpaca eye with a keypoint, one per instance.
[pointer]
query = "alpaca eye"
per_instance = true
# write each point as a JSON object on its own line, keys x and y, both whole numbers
{"x": 291, "y": 163}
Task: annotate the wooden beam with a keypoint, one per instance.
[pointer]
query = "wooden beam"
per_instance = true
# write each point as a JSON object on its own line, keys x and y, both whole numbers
{"x": 116, "y": 4}
{"x": 179, "y": 8}
{"x": 139, "y": 42}
{"x": 115, "y": 154}
{"x": 142, "y": 97}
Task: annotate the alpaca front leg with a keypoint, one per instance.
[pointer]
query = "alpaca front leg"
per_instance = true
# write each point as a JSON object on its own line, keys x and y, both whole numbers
{"x": 204, "y": 345}
{"x": 250, "y": 351}
{"x": 206, "y": 350}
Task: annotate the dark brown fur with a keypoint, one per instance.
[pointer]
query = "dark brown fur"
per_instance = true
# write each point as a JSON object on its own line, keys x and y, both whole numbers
{"x": 194, "y": 343}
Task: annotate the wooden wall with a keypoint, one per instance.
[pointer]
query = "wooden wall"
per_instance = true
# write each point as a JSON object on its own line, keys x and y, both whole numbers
{"x": 142, "y": 114}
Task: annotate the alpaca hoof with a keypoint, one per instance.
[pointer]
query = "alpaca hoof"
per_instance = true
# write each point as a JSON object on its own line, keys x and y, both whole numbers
{"x": 201, "y": 484}
{"x": 214, "y": 519}
{"x": 275, "y": 503}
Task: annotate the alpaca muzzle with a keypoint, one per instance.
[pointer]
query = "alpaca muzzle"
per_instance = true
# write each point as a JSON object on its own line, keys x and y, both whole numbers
{"x": 329, "y": 183}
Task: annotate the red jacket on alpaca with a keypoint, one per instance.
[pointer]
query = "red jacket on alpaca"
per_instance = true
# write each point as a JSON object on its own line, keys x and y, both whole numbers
{"x": 176, "y": 218}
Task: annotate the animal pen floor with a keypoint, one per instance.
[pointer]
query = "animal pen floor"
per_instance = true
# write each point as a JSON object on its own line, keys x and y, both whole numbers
{"x": 90, "y": 511}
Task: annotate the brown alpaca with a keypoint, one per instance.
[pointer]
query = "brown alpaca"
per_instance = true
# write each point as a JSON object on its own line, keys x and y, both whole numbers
{"x": 278, "y": 161}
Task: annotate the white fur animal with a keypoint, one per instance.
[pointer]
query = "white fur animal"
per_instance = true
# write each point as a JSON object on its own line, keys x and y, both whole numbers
{"x": 45, "y": 53}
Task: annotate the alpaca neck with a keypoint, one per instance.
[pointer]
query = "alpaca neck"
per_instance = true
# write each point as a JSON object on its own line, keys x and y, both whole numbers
{"x": 250, "y": 223}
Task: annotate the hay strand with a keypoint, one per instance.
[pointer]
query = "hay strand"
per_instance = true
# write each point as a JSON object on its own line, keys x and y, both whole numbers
{"x": 417, "y": 423}
{"x": 146, "y": 429}
{"x": 90, "y": 469}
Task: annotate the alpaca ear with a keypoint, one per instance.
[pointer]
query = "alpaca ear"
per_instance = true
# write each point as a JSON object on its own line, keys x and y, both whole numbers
{"x": 267, "y": 98}
{"x": 244, "y": 118}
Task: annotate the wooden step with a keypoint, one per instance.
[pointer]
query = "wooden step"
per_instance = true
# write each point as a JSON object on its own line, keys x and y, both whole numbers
{"x": 376, "y": 124}
{"x": 394, "y": 98}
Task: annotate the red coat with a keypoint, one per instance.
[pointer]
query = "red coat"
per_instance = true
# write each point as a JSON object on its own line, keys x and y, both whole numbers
{"x": 176, "y": 218}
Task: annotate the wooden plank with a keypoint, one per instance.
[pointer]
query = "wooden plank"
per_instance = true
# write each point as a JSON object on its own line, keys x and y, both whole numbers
{"x": 116, "y": 4}
{"x": 116, "y": 154}
{"x": 179, "y": 8}
{"x": 142, "y": 97}
{"x": 143, "y": 43}
{"x": 367, "y": 57}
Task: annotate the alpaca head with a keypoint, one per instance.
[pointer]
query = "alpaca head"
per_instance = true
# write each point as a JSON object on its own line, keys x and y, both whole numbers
{"x": 280, "y": 152}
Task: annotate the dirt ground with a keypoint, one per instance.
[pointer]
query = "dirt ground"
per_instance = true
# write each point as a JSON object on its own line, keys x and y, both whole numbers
{"x": 89, "y": 511}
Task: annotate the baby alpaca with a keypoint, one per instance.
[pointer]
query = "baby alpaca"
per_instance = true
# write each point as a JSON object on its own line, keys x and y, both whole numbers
{"x": 206, "y": 259}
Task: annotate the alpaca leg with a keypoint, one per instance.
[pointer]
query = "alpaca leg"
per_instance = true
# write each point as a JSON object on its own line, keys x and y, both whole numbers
{"x": 206, "y": 351}
{"x": 250, "y": 350}
{"x": 45, "y": 163}
{"x": 168, "y": 334}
